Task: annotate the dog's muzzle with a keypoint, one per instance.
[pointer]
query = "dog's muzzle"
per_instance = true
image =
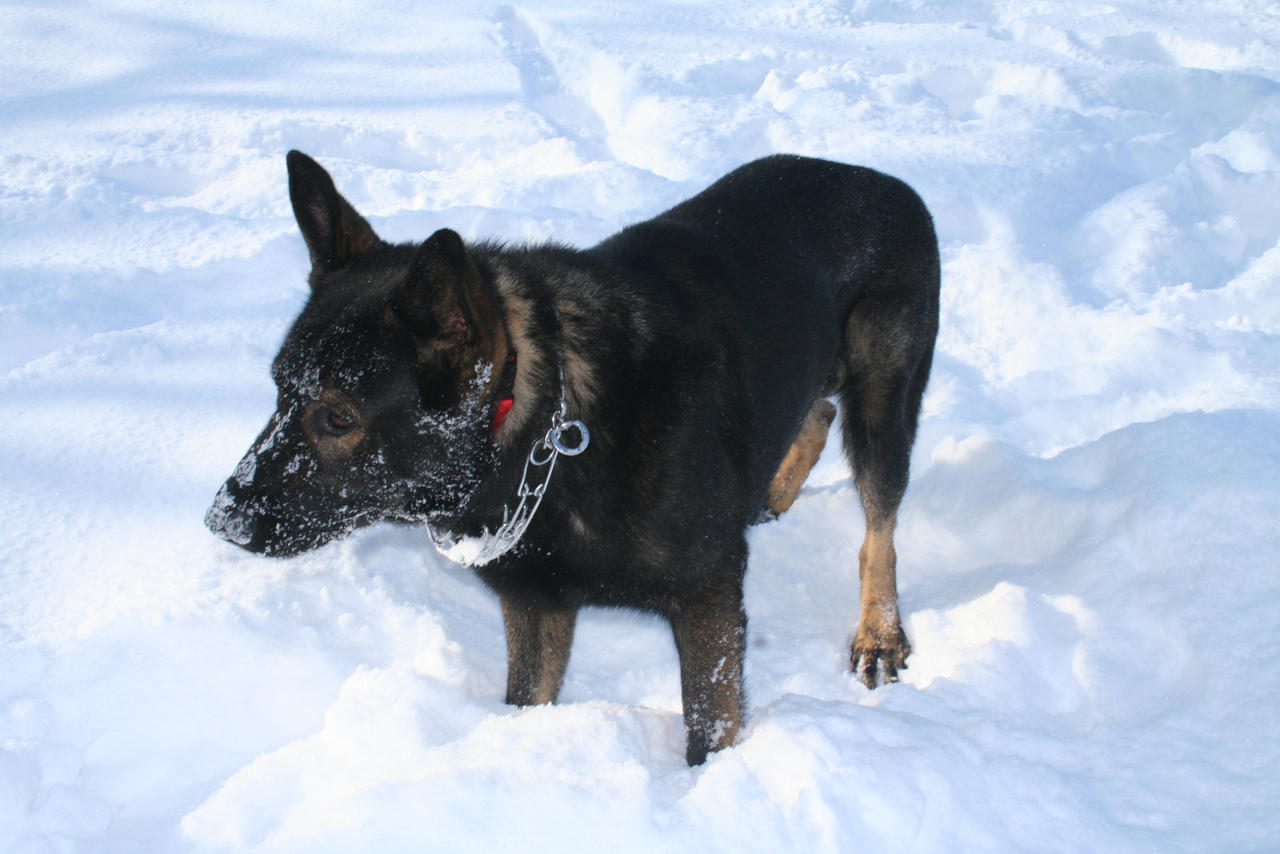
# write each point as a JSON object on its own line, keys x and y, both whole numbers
{"x": 229, "y": 520}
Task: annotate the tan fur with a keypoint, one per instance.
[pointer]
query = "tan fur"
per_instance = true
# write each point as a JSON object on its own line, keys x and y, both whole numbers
{"x": 880, "y": 626}
{"x": 710, "y": 642}
{"x": 580, "y": 374}
{"x": 535, "y": 366}
{"x": 579, "y": 377}
{"x": 531, "y": 367}
{"x": 801, "y": 457}
{"x": 538, "y": 641}
{"x": 500, "y": 349}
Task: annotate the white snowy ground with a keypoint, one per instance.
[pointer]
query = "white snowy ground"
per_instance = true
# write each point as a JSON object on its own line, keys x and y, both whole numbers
{"x": 1088, "y": 552}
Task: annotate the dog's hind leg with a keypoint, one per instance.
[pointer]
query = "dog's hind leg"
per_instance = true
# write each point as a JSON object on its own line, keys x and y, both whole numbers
{"x": 710, "y": 638}
{"x": 801, "y": 458}
{"x": 539, "y": 636}
{"x": 888, "y": 353}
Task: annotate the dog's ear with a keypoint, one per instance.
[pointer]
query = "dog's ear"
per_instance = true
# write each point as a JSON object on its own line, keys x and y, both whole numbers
{"x": 446, "y": 302}
{"x": 334, "y": 232}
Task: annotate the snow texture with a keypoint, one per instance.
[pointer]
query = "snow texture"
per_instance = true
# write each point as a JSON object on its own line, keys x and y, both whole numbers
{"x": 1088, "y": 552}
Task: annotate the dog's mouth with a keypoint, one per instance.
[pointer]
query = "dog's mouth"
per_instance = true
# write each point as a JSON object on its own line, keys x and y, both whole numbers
{"x": 253, "y": 526}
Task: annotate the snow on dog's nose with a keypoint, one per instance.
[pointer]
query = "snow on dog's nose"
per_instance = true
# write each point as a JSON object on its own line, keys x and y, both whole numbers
{"x": 228, "y": 519}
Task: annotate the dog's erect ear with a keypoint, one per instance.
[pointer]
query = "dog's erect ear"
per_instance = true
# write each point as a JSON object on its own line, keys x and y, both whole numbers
{"x": 446, "y": 302}
{"x": 334, "y": 232}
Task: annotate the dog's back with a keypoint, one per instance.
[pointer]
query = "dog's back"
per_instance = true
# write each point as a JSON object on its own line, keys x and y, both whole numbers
{"x": 811, "y": 278}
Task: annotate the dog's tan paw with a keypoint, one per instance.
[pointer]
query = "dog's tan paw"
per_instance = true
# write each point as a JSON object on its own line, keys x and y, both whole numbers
{"x": 876, "y": 661}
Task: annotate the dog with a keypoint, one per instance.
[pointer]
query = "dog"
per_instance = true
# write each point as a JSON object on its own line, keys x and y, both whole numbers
{"x": 601, "y": 426}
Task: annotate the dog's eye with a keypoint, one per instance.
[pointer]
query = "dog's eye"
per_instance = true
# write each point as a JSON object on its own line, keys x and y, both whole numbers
{"x": 332, "y": 423}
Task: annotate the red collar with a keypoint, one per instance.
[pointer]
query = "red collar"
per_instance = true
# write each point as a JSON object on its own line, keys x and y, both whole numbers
{"x": 504, "y": 404}
{"x": 500, "y": 413}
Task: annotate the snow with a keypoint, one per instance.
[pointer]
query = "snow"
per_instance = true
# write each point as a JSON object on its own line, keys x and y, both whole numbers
{"x": 1088, "y": 552}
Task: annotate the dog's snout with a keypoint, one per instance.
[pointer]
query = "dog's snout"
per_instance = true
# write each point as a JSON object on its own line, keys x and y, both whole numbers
{"x": 228, "y": 519}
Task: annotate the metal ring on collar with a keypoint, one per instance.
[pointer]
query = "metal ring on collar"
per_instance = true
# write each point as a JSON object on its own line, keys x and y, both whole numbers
{"x": 570, "y": 450}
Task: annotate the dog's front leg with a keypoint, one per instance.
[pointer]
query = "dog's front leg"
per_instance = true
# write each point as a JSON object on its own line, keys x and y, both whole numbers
{"x": 539, "y": 635}
{"x": 710, "y": 638}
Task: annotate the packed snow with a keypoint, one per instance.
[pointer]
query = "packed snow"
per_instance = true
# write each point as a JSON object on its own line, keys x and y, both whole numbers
{"x": 1088, "y": 552}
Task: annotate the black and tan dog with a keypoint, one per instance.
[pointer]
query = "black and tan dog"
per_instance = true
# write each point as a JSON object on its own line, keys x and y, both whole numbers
{"x": 658, "y": 390}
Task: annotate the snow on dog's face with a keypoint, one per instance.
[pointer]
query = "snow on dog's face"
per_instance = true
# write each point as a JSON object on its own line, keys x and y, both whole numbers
{"x": 384, "y": 386}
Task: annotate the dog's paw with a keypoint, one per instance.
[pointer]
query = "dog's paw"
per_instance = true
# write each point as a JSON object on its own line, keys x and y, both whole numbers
{"x": 766, "y": 515}
{"x": 876, "y": 661}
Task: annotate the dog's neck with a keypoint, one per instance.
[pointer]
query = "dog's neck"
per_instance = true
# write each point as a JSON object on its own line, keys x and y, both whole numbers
{"x": 564, "y": 437}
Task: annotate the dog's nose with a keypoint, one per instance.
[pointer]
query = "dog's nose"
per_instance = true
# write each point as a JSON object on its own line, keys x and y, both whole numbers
{"x": 228, "y": 519}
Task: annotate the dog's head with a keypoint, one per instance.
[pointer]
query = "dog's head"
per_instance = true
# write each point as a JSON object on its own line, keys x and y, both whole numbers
{"x": 385, "y": 386}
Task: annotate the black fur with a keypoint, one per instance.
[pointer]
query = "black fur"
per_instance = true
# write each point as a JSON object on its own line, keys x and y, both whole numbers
{"x": 693, "y": 346}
